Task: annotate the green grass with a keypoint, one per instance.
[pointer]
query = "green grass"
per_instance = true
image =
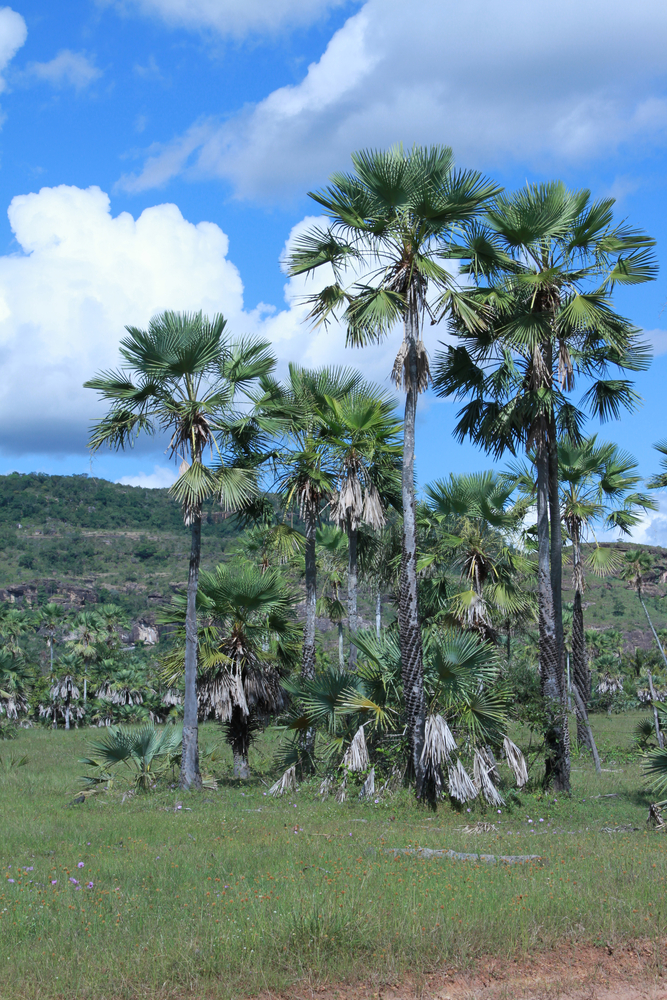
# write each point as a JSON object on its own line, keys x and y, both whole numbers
{"x": 234, "y": 891}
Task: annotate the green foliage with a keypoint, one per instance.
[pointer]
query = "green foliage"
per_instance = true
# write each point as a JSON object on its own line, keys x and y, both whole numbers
{"x": 147, "y": 753}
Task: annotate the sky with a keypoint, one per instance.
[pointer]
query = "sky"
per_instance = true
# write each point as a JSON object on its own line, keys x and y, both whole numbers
{"x": 157, "y": 154}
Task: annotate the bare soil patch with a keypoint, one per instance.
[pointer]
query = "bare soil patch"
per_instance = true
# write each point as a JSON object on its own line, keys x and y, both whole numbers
{"x": 629, "y": 972}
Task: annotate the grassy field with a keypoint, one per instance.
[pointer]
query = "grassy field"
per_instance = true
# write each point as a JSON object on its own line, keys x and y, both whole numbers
{"x": 223, "y": 893}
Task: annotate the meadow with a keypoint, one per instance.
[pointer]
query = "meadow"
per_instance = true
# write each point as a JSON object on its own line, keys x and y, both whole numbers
{"x": 225, "y": 893}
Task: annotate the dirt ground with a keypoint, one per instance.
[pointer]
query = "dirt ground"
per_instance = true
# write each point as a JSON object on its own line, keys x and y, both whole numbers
{"x": 578, "y": 973}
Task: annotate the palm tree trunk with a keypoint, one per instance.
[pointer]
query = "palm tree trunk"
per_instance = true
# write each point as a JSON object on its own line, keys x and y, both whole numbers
{"x": 408, "y": 611}
{"x": 556, "y": 552}
{"x": 239, "y": 738}
{"x": 656, "y": 717}
{"x": 556, "y": 756}
{"x": 378, "y": 613}
{"x": 352, "y": 576}
{"x": 655, "y": 634}
{"x": 341, "y": 648}
{"x": 308, "y": 657}
{"x": 190, "y": 776}
{"x": 581, "y": 675}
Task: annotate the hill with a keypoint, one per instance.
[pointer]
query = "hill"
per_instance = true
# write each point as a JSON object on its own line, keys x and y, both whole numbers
{"x": 78, "y": 539}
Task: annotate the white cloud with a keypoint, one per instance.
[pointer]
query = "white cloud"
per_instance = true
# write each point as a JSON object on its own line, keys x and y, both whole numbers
{"x": 652, "y": 529}
{"x": 83, "y": 275}
{"x": 158, "y": 479}
{"x": 13, "y": 33}
{"x": 657, "y": 339}
{"x": 68, "y": 68}
{"x": 495, "y": 81}
{"x": 232, "y": 17}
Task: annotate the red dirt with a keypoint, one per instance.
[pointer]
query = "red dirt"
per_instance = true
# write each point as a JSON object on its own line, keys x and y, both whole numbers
{"x": 631, "y": 972}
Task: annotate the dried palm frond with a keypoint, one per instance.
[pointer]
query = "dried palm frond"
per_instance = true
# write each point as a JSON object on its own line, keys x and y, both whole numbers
{"x": 368, "y": 787}
{"x": 609, "y": 685}
{"x": 516, "y": 761}
{"x": 461, "y": 787}
{"x": 171, "y": 698}
{"x": 394, "y": 781}
{"x": 654, "y": 820}
{"x": 326, "y": 787}
{"x": 483, "y": 781}
{"x": 438, "y": 741}
{"x": 356, "y": 756}
{"x": 480, "y": 827}
{"x": 644, "y": 695}
{"x": 401, "y": 375}
{"x": 287, "y": 783}
{"x": 341, "y": 793}
{"x": 373, "y": 514}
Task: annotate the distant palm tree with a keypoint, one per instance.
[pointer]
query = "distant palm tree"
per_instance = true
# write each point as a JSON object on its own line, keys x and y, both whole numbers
{"x": 296, "y": 409}
{"x": 182, "y": 377}
{"x": 51, "y": 620}
{"x": 249, "y": 637}
{"x": 389, "y": 219}
{"x": 332, "y": 558}
{"x": 477, "y": 513}
{"x": 363, "y": 433}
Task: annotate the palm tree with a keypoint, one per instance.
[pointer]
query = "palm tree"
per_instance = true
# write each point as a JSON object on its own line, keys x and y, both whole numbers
{"x": 111, "y": 620}
{"x": 14, "y": 625}
{"x": 363, "y": 434}
{"x": 636, "y": 564}
{"x": 249, "y": 638}
{"x": 479, "y": 520}
{"x": 597, "y": 484}
{"x": 51, "y": 620}
{"x": 296, "y": 410}
{"x": 269, "y": 546}
{"x": 182, "y": 377}
{"x": 544, "y": 264}
{"x": 389, "y": 219}
{"x": 87, "y": 636}
{"x": 332, "y": 550}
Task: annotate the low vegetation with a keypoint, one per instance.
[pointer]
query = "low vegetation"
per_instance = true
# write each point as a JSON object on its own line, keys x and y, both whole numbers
{"x": 228, "y": 892}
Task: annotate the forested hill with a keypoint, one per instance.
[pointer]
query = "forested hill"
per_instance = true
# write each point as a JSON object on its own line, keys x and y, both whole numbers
{"x": 38, "y": 500}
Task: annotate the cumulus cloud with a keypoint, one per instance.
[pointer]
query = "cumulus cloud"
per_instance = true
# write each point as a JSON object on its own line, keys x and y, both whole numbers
{"x": 67, "y": 69}
{"x": 492, "y": 80}
{"x": 13, "y": 33}
{"x": 235, "y": 18}
{"x": 82, "y": 275}
{"x": 657, "y": 339}
{"x": 158, "y": 479}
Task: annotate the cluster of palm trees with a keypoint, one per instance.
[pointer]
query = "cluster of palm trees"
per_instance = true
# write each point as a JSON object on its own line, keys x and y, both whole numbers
{"x": 90, "y": 678}
{"x": 524, "y": 283}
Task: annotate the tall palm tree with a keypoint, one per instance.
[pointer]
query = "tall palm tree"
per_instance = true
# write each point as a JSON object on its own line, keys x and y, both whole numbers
{"x": 539, "y": 315}
{"x": 363, "y": 434}
{"x": 389, "y": 219}
{"x": 637, "y": 563}
{"x": 182, "y": 377}
{"x": 597, "y": 484}
{"x": 296, "y": 410}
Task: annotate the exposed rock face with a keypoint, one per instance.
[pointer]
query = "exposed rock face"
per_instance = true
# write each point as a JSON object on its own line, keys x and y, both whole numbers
{"x": 144, "y": 632}
{"x": 26, "y": 594}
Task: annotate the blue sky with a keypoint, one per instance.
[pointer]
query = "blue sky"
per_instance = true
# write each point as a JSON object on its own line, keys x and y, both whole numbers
{"x": 156, "y": 153}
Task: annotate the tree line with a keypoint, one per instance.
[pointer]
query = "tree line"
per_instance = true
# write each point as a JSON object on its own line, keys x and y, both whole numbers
{"x": 523, "y": 284}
